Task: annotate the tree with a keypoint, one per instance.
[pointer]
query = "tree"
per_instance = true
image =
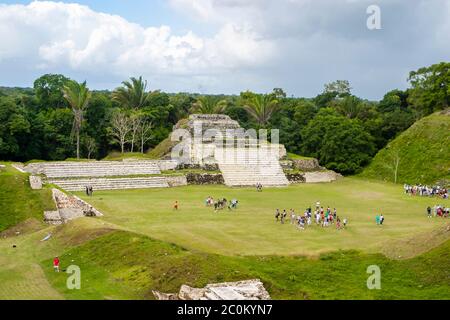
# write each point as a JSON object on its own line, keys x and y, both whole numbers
{"x": 393, "y": 163}
{"x": 97, "y": 116}
{"x": 182, "y": 103}
{"x": 132, "y": 94}
{"x": 338, "y": 142}
{"x": 91, "y": 146}
{"x": 54, "y": 127}
{"x": 120, "y": 127}
{"x": 430, "y": 90}
{"x": 305, "y": 110}
{"x": 340, "y": 87}
{"x": 144, "y": 132}
{"x": 135, "y": 123}
{"x": 350, "y": 106}
{"x": 260, "y": 107}
{"x": 49, "y": 90}
{"x": 292, "y": 115}
{"x": 279, "y": 93}
{"x": 77, "y": 95}
{"x": 394, "y": 123}
{"x": 209, "y": 105}
{"x": 394, "y": 100}
{"x": 14, "y": 128}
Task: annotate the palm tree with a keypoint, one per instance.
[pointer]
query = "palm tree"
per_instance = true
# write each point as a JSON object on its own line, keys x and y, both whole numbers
{"x": 209, "y": 105}
{"x": 132, "y": 94}
{"x": 77, "y": 95}
{"x": 350, "y": 106}
{"x": 261, "y": 107}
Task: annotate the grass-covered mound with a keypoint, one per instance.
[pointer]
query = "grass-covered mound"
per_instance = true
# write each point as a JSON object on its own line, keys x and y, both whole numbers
{"x": 18, "y": 202}
{"x": 422, "y": 153}
{"x": 124, "y": 265}
{"x": 162, "y": 149}
{"x": 293, "y": 156}
{"x": 158, "y": 152}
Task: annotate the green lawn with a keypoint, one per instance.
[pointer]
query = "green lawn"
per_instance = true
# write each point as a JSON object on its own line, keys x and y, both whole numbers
{"x": 142, "y": 244}
{"x": 252, "y": 230}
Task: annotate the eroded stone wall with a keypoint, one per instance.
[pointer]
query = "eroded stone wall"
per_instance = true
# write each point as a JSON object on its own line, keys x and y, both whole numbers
{"x": 204, "y": 178}
{"x": 295, "y": 177}
{"x": 241, "y": 290}
{"x": 176, "y": 181}
{"x": 306, "y": 164}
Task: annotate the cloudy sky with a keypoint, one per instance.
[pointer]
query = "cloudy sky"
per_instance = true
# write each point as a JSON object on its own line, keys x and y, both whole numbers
{"x": 223, "y": 46}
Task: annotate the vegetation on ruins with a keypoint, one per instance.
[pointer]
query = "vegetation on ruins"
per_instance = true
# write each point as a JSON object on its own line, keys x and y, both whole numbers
{"x": 18, "y": 202}
{"x": 420, "y": 154}
{"x": 37, "y": 122}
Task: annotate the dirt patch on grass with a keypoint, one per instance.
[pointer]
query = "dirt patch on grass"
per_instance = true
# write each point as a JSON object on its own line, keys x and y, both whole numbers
{"x": 27, "y": 226}
{"x": 418, "y": 244}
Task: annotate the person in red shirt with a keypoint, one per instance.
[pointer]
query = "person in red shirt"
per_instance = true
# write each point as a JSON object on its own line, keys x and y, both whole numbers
{"x": 56, "y": 264}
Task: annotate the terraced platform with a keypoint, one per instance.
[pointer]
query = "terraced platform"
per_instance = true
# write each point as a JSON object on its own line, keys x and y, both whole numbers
{"x": 110, "y": 183}
{"x": 94, "y": 168}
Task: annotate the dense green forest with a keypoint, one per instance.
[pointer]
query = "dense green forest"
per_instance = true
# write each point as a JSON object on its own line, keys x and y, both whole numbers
{"x": 59, "y": 118}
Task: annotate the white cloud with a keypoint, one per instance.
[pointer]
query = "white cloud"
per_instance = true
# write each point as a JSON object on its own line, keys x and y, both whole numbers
{"x": 255, "y": 44}
{"x": 53, "y": 34}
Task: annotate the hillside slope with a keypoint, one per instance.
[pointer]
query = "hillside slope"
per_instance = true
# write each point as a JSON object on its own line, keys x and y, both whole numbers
{"x": 124, "y": 265}
{"x": 422, "y": 153}
{"x": 18, "y": 202}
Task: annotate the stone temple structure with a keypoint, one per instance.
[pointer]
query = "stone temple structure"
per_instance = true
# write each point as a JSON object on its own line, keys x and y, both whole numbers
{"x": 245, "y": 158}
{"x": 212, "y": 142}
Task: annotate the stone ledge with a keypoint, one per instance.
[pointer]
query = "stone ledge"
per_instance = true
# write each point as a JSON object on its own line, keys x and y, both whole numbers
{"x": 321, "y": 176}
{"x": 176, "y": 181}
{"x": 241, "y": 290}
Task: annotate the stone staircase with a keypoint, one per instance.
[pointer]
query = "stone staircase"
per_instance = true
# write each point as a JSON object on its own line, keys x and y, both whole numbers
{"x": 249, "y": 166}
{"x": 68, "y": 207}
{"x": 110, "y": 183}
{"x": 94, "y": 168}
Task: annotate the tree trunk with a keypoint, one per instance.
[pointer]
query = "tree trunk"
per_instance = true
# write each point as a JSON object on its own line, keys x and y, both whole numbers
{"x": 78, "y": 144}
